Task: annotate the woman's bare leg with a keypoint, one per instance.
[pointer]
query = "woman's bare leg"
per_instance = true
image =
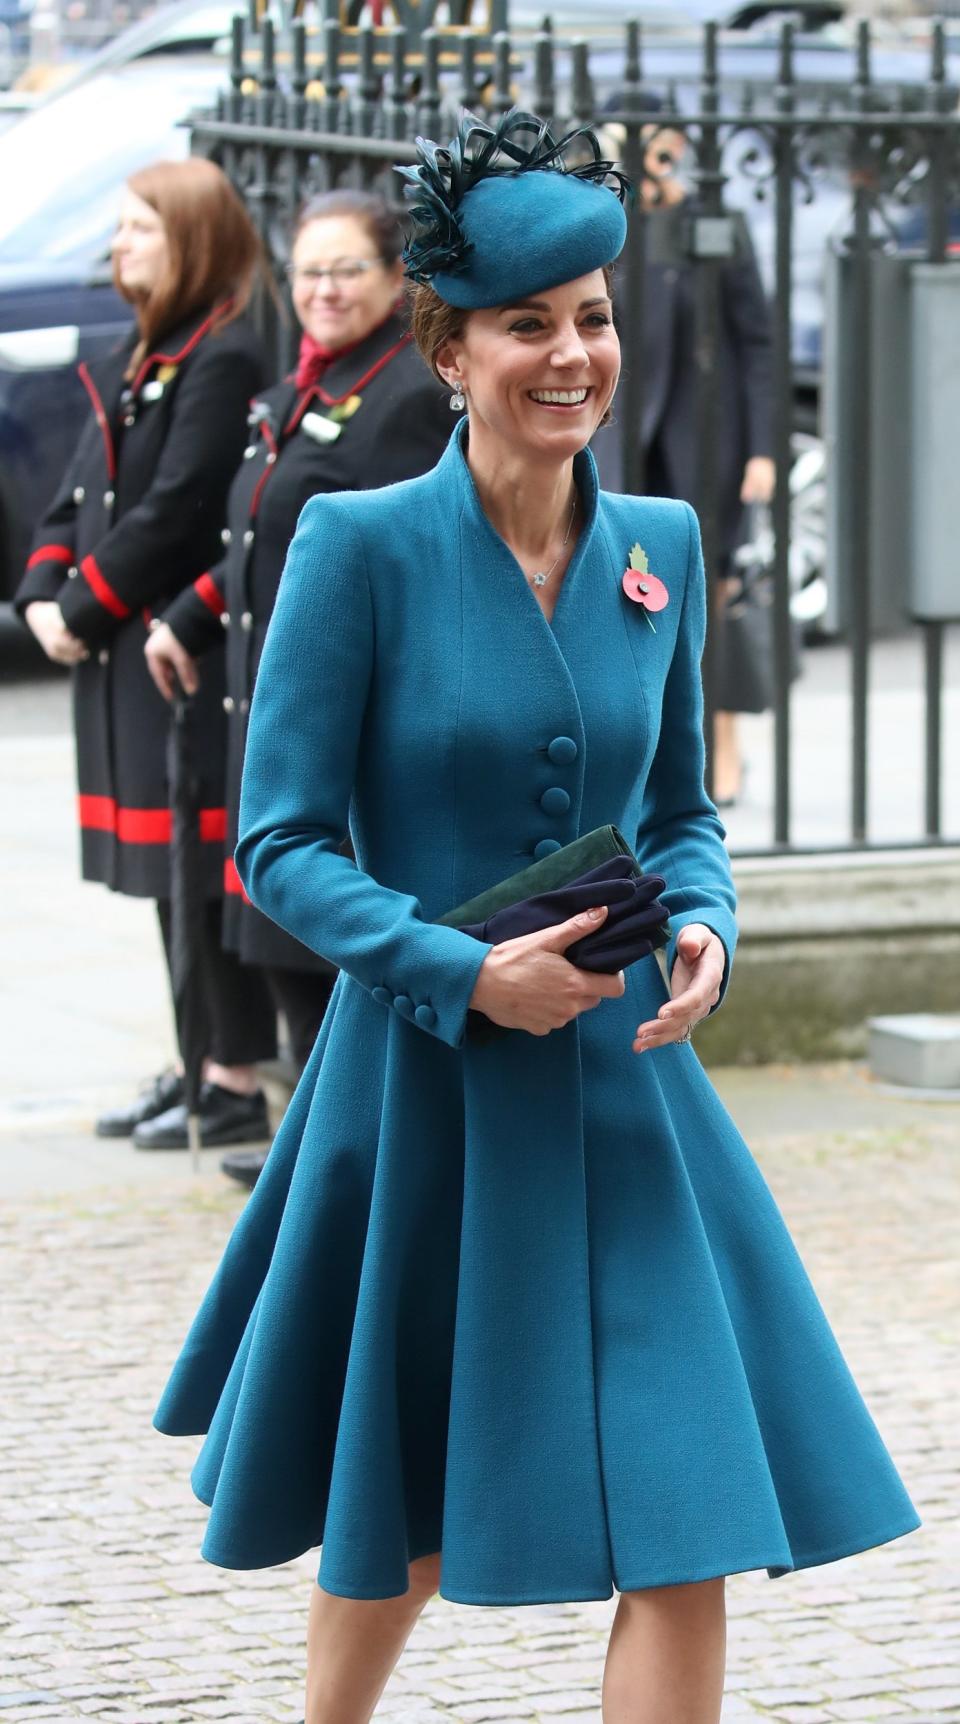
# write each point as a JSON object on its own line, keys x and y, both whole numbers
{"x": 667, "y": 1655}
{"x": 354, "y": 1643}
{"x": 727, "y": 761}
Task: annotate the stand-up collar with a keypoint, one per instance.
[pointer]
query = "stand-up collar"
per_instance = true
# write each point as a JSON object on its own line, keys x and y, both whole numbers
{"x": 453, "y": 469}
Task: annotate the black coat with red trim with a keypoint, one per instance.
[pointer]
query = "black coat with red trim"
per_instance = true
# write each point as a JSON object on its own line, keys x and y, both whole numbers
{"x": 137, "y": 518}
{"x": 397, "y": 426}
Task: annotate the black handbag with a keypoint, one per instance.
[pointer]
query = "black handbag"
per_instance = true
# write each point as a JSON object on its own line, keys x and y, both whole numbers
{"x": 744, "y": 664}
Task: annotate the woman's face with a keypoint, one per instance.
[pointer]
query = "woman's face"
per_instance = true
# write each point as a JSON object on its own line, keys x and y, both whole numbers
{"x": 139, "y": 246}
{"x": 343, "y": 307}
{"x": 540, "y": 373}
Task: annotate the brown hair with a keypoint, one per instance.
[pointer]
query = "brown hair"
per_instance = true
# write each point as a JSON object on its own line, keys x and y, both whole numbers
{"x": 434, "y": 322}
{"x": 214, "y": 251}
{"x": 369, "y": 208}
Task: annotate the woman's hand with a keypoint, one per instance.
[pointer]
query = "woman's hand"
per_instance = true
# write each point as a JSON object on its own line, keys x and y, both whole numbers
{"x": 694, "y": 986}
{"x": 759, "y": 480}
{"x": 528, "y": 984}
{"x": 44, "y": 619}
{"x": 169, "y": 663}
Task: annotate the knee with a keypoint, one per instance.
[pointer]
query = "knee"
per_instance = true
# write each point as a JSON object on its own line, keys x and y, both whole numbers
{"x": 425, "y": 1577}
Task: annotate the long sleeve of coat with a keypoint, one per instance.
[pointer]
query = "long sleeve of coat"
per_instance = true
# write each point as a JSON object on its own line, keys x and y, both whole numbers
{"x": 194, "y": 615}
{"x": 680, "y": 834}
{"x": 151, "y": 550}
{"x": 302, "y": 754}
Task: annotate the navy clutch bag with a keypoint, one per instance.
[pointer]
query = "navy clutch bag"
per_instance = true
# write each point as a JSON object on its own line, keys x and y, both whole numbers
{"x": 599, "y": 868}
{"x": 559, "y": 868}
{"x": 635, "y": 924}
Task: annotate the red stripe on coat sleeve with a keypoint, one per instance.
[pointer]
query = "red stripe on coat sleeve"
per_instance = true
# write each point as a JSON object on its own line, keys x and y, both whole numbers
{"x": 206, "y": 589}
{"x": 102, "y": 590}
{"x": 50, "y": 554}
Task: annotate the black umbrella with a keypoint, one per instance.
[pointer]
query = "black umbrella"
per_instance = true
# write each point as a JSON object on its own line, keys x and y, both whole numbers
{"x": 187, "y": 913}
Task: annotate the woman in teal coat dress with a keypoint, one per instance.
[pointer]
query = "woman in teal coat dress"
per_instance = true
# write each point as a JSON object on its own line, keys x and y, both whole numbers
{"x": 512, "y": 1315}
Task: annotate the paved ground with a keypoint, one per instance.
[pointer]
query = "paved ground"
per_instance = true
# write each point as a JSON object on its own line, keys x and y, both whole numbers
{"x": 106, "y": 1610}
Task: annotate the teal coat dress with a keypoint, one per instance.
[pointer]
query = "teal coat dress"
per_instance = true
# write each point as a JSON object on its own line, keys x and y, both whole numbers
{"x": 525, "y": 1301}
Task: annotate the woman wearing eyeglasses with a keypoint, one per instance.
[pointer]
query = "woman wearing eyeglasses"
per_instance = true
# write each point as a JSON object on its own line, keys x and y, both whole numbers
{"x": 361, "y": 410}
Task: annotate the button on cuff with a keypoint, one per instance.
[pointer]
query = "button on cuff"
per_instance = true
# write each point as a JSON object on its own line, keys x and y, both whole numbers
{"x": 426, "y": 1017}
{"x": 404, "y": 1005}
{"x": 546, "y": 847}
{"x": 382, "y": 996}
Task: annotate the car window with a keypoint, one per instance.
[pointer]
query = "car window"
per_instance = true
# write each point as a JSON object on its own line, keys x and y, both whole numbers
{"x": 63, "y": 167}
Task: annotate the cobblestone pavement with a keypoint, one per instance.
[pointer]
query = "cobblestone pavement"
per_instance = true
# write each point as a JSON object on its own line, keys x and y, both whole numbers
{"x": 109, "y": 1613}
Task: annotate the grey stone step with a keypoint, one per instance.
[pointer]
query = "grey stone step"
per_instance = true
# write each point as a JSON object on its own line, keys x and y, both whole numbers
{"x": 921, "y": 1049}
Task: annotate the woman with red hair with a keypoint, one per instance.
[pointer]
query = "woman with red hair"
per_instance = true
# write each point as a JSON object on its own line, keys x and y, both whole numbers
{"x": 137, "y": 518}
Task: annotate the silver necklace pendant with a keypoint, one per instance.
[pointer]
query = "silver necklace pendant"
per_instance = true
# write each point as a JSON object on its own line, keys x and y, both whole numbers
{"x": 540, "y": 579}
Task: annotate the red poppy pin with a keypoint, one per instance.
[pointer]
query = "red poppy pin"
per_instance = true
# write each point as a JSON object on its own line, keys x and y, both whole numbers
{"x": 643, "y": 588}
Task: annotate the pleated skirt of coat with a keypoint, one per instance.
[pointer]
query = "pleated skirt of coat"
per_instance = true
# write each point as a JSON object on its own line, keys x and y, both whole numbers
{"x": 568, "y": 1361}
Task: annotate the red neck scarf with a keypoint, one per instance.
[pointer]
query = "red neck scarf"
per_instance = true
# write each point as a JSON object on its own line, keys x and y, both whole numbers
{"x": 314, "y": 359}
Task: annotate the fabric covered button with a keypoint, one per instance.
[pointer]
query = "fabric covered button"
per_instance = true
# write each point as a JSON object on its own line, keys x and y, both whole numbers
{"x": 426, "y": 1017}
{"x": 382, "y": 996}
{"x": 404, "y": 1005}
{"x": 562, "y": 750}
{"x": 555, "y": 800}
{"x": 546, "y": 847}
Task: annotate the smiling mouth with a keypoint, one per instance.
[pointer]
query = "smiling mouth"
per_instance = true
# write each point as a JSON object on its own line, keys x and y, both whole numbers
{"x": 559, "y": 397}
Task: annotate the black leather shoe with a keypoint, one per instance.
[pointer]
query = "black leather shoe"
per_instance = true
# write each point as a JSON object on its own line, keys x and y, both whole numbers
{"x": 244, "y": 1165}
{"x": 224, "y": 1118}
{"x": 162, "y": 1093}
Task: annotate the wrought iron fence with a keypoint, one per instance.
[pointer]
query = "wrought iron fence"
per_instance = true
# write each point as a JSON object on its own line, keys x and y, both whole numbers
{"x": 310, "y": 110}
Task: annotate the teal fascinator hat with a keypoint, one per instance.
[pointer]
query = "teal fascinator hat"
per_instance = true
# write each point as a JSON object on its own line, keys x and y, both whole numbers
{"x": 505, "y": 211}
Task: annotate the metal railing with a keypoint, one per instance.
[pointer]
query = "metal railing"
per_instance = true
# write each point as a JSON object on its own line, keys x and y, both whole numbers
{"x": 307, "y": 111}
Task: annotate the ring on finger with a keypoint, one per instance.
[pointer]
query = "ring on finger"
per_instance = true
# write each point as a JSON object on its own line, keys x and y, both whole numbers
{"x": 686, "y": 1037}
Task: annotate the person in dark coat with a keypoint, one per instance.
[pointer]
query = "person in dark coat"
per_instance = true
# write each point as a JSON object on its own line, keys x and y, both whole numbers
{"x": 361, "y": 410}
{"x": 137, "y": 517}
{"x": 746, "y": 471}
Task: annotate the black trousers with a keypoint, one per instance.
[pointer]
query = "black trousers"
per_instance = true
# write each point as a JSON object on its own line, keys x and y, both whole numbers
{"x": 241, "y": 1015}
{"x": 302, "y": 996}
